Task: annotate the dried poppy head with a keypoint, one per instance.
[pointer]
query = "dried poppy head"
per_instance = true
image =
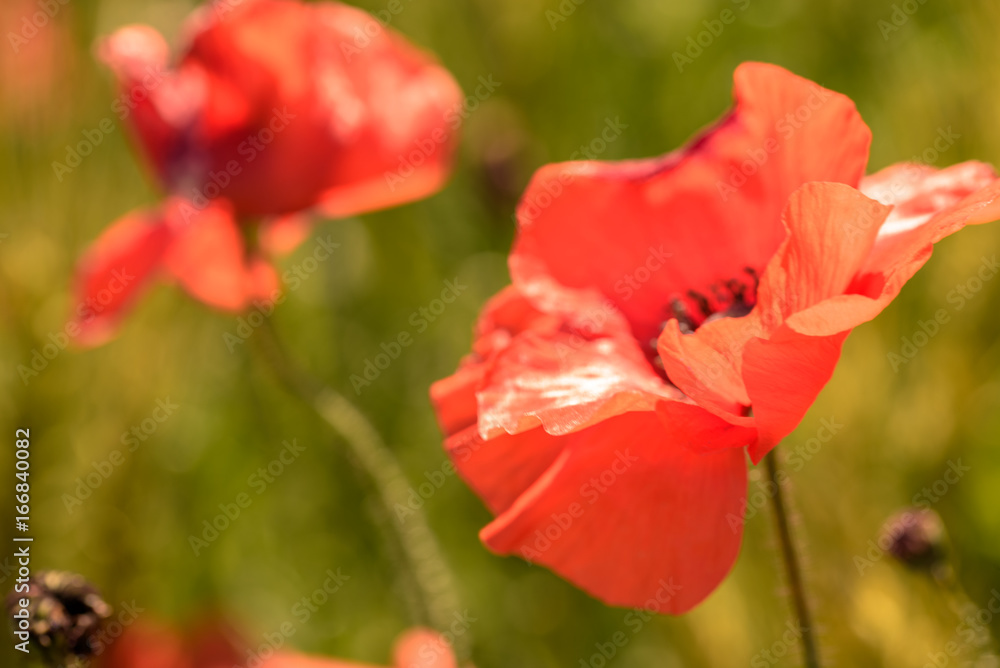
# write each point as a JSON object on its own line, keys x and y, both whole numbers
{"x": 64, "y": 613}
{"x": 915, "y": 537}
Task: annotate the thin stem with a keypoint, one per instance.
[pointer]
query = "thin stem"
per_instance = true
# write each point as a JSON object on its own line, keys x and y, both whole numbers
{"x": 430, "y": 581}
{"x": 789, "y": 556}
{"x": 946, "y": 578}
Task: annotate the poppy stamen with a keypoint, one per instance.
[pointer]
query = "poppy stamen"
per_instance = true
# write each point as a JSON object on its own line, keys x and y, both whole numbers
{"x": 730, "y": 298}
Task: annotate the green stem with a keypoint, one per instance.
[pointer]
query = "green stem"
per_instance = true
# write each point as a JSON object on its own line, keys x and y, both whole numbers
{"x": 961, "y": 604}
{"x": 429, "y": 578}
{"x": 789, "y": 555}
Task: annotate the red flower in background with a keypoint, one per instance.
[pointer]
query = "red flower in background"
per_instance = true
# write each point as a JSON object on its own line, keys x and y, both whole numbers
{"x": 213, "y": 646}
{"x": 667, "y": 312}
{"x": 274, "y": 108}
{"x": 149, "y": 645}
{"x": 34, "y": 64}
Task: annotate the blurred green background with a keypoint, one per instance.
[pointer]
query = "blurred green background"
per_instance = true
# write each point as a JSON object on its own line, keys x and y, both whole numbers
{"x": 938, "y": 71}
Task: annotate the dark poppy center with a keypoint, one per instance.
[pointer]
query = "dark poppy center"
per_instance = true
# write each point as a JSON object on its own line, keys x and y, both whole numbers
{"x": 727, "y": 298}
{"x": 731, "y": 298}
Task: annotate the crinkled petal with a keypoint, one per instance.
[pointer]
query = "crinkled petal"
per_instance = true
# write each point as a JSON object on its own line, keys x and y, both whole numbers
{"x": 928, "y": 205}
{"x": 565, "y": 382}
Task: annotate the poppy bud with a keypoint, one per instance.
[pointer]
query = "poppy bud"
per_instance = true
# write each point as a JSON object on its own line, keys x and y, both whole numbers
{"x": 915, "y": 537}
{"x": 63, "y": 614}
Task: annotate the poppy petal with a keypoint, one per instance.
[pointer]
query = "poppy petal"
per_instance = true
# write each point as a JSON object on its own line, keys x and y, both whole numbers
{"x": 928, "y": 205}
{"x": 116, "y": 269}
{"x": 157, "y": 102}
{"x": 630, "y": 516}
{"x": 208, "y": 256}
{"x": 396, "y": 143}
{"x": 147, "y": 645}
{"x": 780, "y": 399}
{"x": 294, "y": 660}
{"x": 421, "y": 648}
{"x": 283, "y": 234}
{"x": 500, "y": 469}
{"x": 831, "y": 231}
{"x": 565, "y": 382}
{"x": 687, "y": 226}
{"x": 505, "y": 315}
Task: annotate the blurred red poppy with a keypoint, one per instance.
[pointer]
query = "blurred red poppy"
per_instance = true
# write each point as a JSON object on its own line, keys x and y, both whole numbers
{"x": 34, "y": 63}
{"x": 213, "y": 646}
{"x": 150, "y": 645}
{"x": 278, "y": 107}
{"x": 665, "y": 313}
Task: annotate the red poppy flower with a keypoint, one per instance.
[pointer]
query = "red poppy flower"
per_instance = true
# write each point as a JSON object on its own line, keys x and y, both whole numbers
{"x": 418, "y": 648}
{"x": 655, "y": 305}
{"x": 275, "y": 107}
{"x": 146, "y": 645}
{"x": 281, "y": 106}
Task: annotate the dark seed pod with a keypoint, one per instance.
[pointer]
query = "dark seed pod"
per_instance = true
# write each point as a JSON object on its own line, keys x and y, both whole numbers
{"x": 915, "y": 537}
{"x": 64, "y": 614}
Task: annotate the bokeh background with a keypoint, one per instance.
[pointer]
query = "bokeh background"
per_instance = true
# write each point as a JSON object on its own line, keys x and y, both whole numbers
{"x": 559, "y": 82}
